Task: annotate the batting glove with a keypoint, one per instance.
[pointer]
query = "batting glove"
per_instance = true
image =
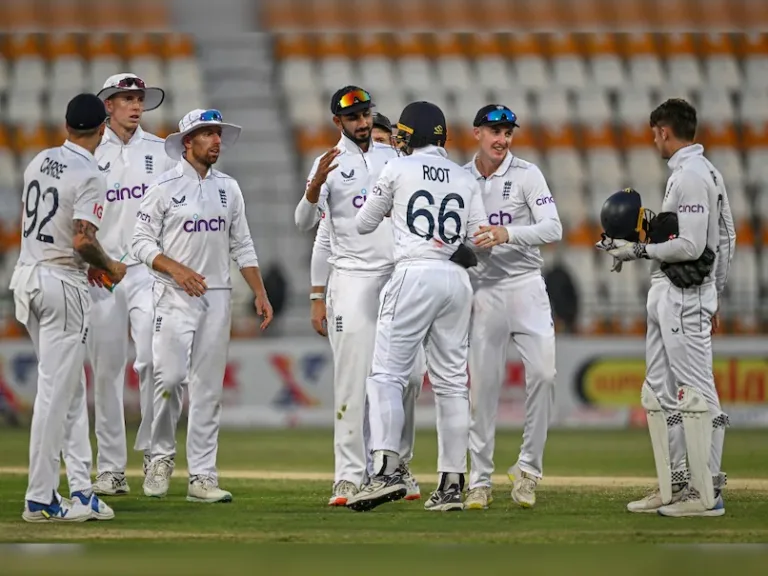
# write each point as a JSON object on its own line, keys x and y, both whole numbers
{"x": 630, "y": 251}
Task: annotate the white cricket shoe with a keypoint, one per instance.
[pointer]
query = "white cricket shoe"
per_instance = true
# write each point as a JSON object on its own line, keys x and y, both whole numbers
{"x": 478, "y": 498}
{"x": 413, "y": 492}
{"x": 158, "y": 478}
{"x": 111, "y": 484}
{"x": 691, "y": 505}
{"x": 60, "y": 510}
{"x": 99, "y": 509}
{"x": 343, "y": 490}
{"x": 652, "y": 501}
{"x": 206, "y": 489}
{"x": 523, "y": 487}
{"x": 379, "y": 490}
{"x": 147, "y": 462}
{"x": 448, "y": 500}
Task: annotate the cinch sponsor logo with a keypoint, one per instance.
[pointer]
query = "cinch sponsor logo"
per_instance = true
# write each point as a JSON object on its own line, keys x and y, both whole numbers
{"x": 202, "y": 225}
{"x": 359, "y": 200}
{"x": 143, "y": 216}
{"x": 616, "y": 382}
{"x": 500, "y": 218}
{"x": 690, "y": 208}
{"x": 545, "y": 200}
{"x": 118, "y": 194}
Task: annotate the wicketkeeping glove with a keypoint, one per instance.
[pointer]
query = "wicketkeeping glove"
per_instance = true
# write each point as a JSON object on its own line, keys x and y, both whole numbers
{"x": 464, "y": 256}
{"x": 607, "y": 244}
{"x": 689, "y": 274}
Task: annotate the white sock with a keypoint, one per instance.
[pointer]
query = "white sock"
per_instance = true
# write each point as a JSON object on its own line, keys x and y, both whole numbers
{"x": 385, "y": 462}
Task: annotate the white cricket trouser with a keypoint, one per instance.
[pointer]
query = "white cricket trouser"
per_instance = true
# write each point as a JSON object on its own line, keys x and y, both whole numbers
{"x": 77, "y": 453}
{"x": 352, "y": 306}
{"x": 111, "y": 315}
{"x": 678, "y": 351}
{"x": 58, "y": 327}
{"x": 426, "y": 302}
{"x": 190, "y": 344}
{"x": 522, "y": 310}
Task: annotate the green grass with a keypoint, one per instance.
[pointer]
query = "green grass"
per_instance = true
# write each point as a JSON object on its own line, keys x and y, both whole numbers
{"x": 289, "y": 528}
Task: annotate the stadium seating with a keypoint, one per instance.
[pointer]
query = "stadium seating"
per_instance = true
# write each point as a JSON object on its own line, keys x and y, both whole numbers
{"x": 583, "y": 102}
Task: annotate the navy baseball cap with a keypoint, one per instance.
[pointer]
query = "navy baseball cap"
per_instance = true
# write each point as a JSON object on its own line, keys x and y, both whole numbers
{"x": 495, "y": 115}
{"x": 85, "y": 112}
{"x": 381, "y": 121}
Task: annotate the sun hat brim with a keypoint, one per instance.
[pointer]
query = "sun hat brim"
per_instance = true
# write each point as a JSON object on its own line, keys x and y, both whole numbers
{"x": 174, "y": 145}
{"x": 153, "y": 97}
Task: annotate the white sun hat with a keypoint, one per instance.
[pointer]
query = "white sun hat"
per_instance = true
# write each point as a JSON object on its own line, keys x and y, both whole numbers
{"x": 199, "y": 118}
{"x": 127, "y": 82}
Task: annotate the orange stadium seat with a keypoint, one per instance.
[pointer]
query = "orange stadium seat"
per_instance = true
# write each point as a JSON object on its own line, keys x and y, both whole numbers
{"x": 63, "y": 15}
{"x": 148, "y": 15}
{"x": 19, "y": 16}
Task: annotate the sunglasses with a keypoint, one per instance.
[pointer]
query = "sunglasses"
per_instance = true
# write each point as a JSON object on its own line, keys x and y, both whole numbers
{"x": 353, "y": 97}
{"x": 131, "y": 82}
{"x": 502, "y": 115}
{"x": 211, "y": 116}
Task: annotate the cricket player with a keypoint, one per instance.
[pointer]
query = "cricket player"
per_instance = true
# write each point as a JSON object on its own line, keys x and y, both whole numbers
{"x": 382, "y": 129}
{"x": 191, "y": 222}
{"x": 689, "y": 273}
{"x": 62, "y": 197}
{"x": 434, "y": 206}
{"x": 510, "y": 300}
{"x": 130, "y": 159}
{"x": 360, "y": 268}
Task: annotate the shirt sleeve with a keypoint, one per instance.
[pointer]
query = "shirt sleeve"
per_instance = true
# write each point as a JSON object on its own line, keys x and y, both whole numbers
{"x": 145, "y": 246}
{"x": 378, "y": 204}
{"x": 692, "y": 220}
{"x": 546, "y": 227}
{"x": 477, "y": 215}
{"x": 321, "y": 252}
{"x": 89, "y": 200}
{"x": 727, "y": 245}
{"x": 306, "y": 213}
{"x": 241, "y": 248}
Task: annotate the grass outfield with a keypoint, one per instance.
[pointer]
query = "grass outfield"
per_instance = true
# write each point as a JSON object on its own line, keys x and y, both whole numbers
{"x": 612, "y": 468}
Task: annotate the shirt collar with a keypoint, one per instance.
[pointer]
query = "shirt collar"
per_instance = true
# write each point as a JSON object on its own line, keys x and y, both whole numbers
{"x": 112, "y": 137}
{"x": 346, "y": 144}
{"x": 188, "y": 170}
{"x": 431, "y": 150}
{"x": 500, "y": 171}
{"x": 686, "y": 152}
{"x": 77, "y": 149}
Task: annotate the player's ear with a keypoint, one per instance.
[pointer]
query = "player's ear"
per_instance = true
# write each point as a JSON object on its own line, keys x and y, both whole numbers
{"x": 337, "y": 122}
{"x": 476, "y": 132}
{"x": 102, "y": 129}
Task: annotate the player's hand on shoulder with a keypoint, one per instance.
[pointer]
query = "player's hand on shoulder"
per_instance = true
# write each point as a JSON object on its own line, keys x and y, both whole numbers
{"x": 318, "y": 315}
{"x": 188, "y": 280}
{"x": 264, "y": 309}
{"x": 490, "y": 236}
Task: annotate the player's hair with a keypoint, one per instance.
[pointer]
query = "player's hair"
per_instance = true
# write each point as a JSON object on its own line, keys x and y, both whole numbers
{"x": 677, "y": 115}
{"x": 83, "y": 133}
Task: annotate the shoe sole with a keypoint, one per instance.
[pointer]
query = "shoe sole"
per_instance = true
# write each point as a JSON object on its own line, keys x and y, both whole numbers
{"x": 366, "y": 505}
{"x": 224, "y": 500}
{"x": 42, "y": 519}
{"x": 705, "y": 514}
{"x": 338, "y": 501}
{"x": 452, "y": 507}
{"x": 412, "y": 497}
{"x": 646, "y": 511}
{"x": 100, "y": 492}
{"x": 526, "y": 505}
{"x": 474, "y": 506}
{"x": 100, "y": 517}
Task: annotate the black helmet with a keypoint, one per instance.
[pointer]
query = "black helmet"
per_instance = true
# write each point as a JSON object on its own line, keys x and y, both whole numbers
{"x": 422, "y": 124}
{"x": 623, "y": 216}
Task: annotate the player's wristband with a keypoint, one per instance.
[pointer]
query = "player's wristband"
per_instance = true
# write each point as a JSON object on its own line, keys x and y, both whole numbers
{"x": 317, "y": 296}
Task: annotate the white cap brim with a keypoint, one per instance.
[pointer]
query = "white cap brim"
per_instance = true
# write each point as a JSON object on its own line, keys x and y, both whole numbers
{"x": 174, "y": 146}
{"x": 153, "y": 97}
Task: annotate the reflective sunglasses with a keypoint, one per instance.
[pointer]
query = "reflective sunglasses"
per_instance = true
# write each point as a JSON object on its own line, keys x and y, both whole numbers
{"x": 353, "y": 97}
{"x": 501, "y": 115}
{"x": 131, "y": 82}
{"x": 211, "y": 116}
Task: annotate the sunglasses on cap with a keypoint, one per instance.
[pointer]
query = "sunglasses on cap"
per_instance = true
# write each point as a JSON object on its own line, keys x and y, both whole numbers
{"x": 500, "y": 115}
{"x": 211, "y": 116}
{"x": 353, "y": 97}
{"x": 131, "y": 82}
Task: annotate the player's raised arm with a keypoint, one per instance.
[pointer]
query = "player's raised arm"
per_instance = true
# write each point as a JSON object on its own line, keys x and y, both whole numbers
{"x": 692, "y": 217}
{"x": 86, "y": 223}
{"x": 312, "y": 204}
{"x": 242, "y": 251}
{"x": 378, "y": 204}
{"x": 547, "y": 227}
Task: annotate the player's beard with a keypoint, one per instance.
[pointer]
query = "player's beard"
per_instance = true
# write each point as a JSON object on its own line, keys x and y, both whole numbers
{"x": 209, "y": 158}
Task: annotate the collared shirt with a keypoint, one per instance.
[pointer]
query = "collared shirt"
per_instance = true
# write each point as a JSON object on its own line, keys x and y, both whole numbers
{"x": 61, "y": 184}
{"x": 434, "y": 205}
{"x": 341, "y": 197}
{"x": 198, "y": 222}
{"x": 517, "y": 197}
{"x": 696, "y": 193}
{"x": 129, "y": 170}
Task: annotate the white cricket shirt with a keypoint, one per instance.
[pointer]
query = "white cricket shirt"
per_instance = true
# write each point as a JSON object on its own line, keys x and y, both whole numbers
{"x": 435, "y": 204}
{"x": 517, "y": 197}
{"x": 60, "y": 185}
{"x": 198, "y": 222}
{"x": 341, "y": 197}
{"x": 696, "y": 192}
{"x": 129, "y": 170}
